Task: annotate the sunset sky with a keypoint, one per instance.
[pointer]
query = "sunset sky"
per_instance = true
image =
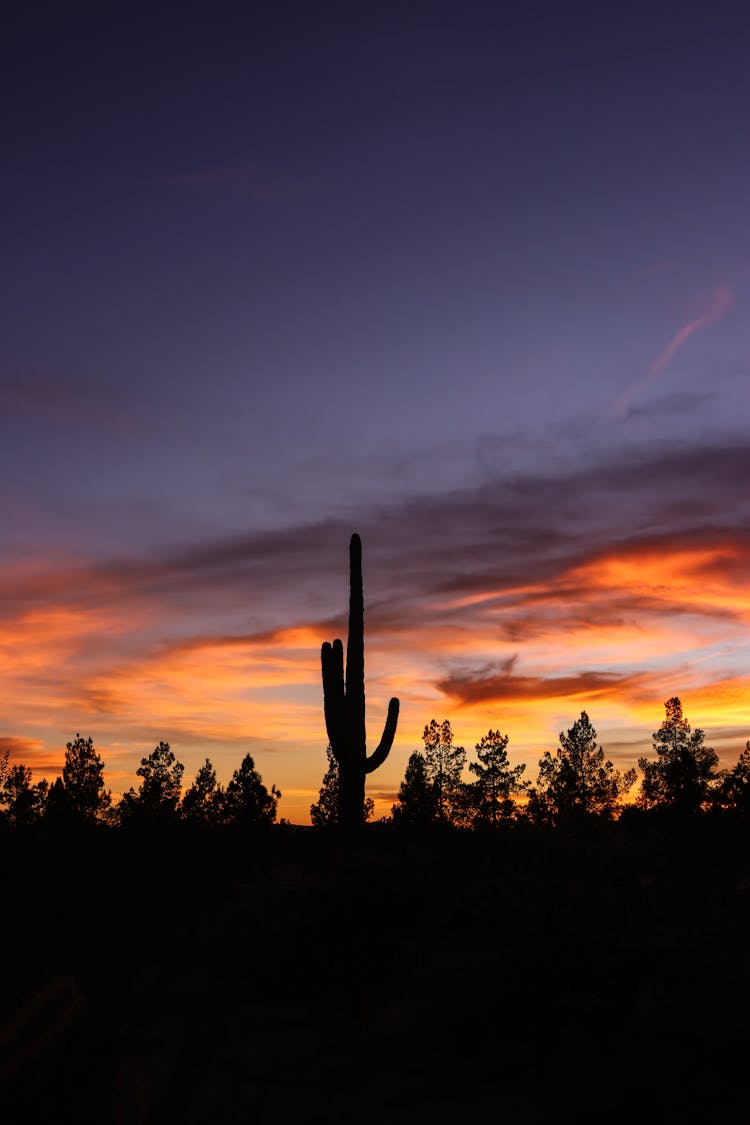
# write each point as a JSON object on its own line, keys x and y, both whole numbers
{"x": 471, "y": 279}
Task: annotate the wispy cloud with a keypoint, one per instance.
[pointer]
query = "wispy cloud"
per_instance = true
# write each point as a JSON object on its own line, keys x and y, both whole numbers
{"x": 482, "y": 687}
{"x": 20, "y": 749}
{"x": 718, "y": 306}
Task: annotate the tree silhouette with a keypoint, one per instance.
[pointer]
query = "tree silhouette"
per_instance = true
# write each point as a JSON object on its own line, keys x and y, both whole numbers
{"x": 58, "y": 812}
{"x": 4, "y": 771}
{"x": 684, "y": 772}
{"x": 158, "y": 795}
{"x": 416, "y": 804}
{"x": 444, "y": 765}
{"x": 83, "y": 781}
{"x": 576, "y": 779}
{"x": 202, "y": 801}
{"x": 497, "y": 781}
{"x": 24, "y": 801}
{"x": 246, "y": 799}
{"x": 344, "y": 704}
{"x": 325, "y": 811}
{"x": 734, "y": 791}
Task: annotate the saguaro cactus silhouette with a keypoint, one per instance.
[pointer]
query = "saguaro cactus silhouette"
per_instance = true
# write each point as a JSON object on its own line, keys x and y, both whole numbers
{"x": 344, "y": 703}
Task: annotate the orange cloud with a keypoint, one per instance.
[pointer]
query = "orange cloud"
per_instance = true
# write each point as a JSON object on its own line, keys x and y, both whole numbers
{"x": 498, "y": 688}
{"x": 20, "y": 749}
{"x": 696, "y": 579}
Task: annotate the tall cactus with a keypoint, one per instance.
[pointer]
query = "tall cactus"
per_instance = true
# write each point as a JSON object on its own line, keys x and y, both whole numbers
{"x": 344, "y": 703}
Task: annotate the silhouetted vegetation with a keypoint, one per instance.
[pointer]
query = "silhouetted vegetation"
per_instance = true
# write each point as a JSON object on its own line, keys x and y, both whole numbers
{"x": 158, "y": 795}
{"x": 416, "y": 806}
{"x": 247, "y": 802}
{"x": 324, "y": 813}
{"x": 22, "y": 802}
{"x": 344, "y": 704}
{"x": 497, "y": 782}
{"x": 83, "y": 780}
{"x": 732, "y": 789}
{"x": 157, "y": 802}
{"x": 444, "y": 764}
{"x": 203, "y": 801}
{"x": 576, "y": 780}
{"x": 684, "y": 774}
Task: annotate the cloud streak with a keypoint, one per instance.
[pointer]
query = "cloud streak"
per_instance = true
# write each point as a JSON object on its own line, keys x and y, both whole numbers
{"x": 720, "y": 303}
{"x": 481, "y": 687}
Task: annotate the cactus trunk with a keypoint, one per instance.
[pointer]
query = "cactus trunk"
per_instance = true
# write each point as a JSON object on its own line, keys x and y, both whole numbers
{"x": 344, "y": 704}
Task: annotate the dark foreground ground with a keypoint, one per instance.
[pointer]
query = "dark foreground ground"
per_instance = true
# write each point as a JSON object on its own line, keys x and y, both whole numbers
{"x": 530, "y": 976}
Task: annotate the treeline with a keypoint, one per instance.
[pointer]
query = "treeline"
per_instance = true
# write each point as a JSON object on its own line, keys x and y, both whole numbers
{"x": 79, "y": 795}
{"x": 574, "y": 781}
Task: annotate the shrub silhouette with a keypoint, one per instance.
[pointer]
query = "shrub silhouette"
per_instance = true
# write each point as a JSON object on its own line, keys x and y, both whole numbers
{"x": 344, "y": 704}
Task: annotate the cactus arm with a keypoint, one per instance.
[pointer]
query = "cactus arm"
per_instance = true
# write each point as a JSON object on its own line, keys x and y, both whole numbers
{"x": 380, "y": 754}
{"x": 332, "y": 663}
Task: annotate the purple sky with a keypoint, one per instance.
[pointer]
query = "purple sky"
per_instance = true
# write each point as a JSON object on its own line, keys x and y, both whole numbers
{"x": 472, "y": 279}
